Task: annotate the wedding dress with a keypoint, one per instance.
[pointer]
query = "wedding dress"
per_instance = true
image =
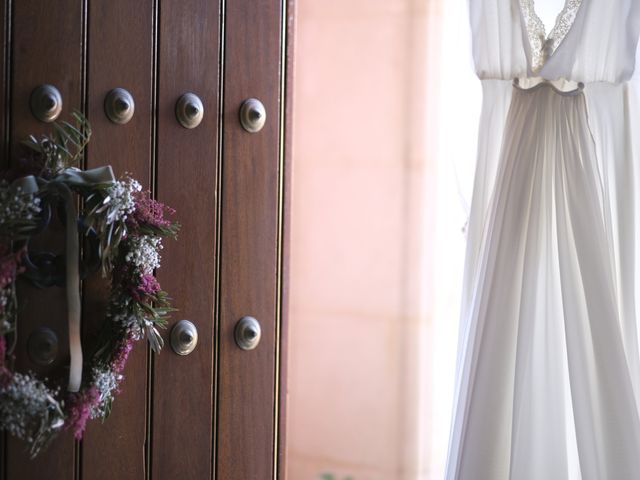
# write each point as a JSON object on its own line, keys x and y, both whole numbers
{"x": 548, "y": 380}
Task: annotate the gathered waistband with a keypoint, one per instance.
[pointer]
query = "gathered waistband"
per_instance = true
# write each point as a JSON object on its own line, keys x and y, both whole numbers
{"x": 561, "y": 86}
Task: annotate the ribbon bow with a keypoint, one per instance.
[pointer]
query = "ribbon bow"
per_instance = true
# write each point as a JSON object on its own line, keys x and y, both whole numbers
{"x": 74, "y": 177}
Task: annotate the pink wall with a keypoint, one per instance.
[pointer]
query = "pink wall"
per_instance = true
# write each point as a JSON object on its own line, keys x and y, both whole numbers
{"x": 359, "y": 404}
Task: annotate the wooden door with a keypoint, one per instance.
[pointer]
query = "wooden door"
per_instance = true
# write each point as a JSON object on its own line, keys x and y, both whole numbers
{"x": 218, "y": 412}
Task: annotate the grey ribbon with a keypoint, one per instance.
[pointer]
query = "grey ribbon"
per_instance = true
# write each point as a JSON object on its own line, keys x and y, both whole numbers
{"x": 27, "y": 184}
{"x": 87, "y": 178}
{"x": 76, "y": 178}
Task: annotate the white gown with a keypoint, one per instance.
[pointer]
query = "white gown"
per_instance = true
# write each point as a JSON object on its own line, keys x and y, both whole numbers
{"x": 548, "y": 380}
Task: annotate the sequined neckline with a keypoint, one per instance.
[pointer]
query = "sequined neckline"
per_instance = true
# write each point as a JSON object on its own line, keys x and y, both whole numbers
{"x": 543, "y": 46}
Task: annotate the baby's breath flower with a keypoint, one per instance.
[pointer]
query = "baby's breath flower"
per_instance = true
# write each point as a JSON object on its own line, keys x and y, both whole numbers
{"x": 16, "y": 207}
{"x": 5, "y": 325}
{"x": 27, "y": 407}
{"x": 4, "y": 300}
{"x": 144, "y": 253}
{"x": 122, "y": 195}
{"x": 129, "y": 322}
{"x": 106, "y": 382}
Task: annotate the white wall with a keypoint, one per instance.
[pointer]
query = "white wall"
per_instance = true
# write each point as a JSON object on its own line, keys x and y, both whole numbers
{"x": 383, "y": 141}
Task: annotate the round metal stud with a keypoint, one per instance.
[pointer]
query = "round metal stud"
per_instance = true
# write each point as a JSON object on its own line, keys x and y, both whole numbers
{"x": 252, "y": 115}
{"x": 46, "y": 103}
{"x": 42, "y": 346}
{"x": 247, "y": 333}
{"x": 184, "y": 337}
{"x": 119, "y": 106}
{"x": 189, "y": 110}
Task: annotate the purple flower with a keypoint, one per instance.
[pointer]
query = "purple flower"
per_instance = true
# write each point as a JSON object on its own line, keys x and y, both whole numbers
{"x": 80, "y": 406}
{"x": 147, "y": 286}
{"x": 150, "y": 212}
{"x": 9, "y": 265}
{"x": 121, "y": 353}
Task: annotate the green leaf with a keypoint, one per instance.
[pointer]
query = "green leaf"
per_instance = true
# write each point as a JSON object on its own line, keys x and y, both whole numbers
{"x": 155, "y": 340}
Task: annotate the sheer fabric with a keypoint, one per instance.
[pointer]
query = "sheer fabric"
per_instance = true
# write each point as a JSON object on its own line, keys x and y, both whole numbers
{"x": 548, "y": 369}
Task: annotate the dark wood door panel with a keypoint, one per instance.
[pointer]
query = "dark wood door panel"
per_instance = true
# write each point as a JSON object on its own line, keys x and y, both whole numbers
{"x": 121, "y": 43}
{"x": 44, "y": 54}
{"x": 183, "y": 402}
{"x": 216, "y": 413}
{"x": 250, "y": 237}
{"x": 5, "y": 16}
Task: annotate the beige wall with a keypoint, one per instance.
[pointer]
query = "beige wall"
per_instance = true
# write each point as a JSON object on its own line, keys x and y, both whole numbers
{"x": 359, "y": 404}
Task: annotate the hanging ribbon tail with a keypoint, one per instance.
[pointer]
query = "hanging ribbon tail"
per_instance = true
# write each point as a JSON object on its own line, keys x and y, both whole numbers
{"x": 76, "y": 178}
{"x": 73, "y": 290}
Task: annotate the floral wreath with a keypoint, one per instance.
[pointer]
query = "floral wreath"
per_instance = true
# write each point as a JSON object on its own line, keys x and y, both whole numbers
{"x": 120, "y": 229}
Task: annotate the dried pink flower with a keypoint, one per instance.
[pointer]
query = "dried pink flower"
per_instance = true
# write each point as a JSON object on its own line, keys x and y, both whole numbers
{"x": 150, "y": 212}
{"x": 147, "y": 286}
{"x": 9, "y": 265}
{"x": 80, "y": 406}
{"x": 121, "y": 353}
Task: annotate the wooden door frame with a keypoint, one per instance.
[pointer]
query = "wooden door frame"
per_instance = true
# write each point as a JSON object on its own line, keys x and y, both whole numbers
{"x": 288, "y": 156}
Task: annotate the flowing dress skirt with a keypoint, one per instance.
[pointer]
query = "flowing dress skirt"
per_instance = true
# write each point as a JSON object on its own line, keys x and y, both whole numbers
{"x": 544, "y": 388}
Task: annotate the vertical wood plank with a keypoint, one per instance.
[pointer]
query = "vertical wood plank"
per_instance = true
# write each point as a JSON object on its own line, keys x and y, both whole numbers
{"x": 46, "y": 48}
{"x": 249, "y": 250}
{"x": 183, "y": 403}
{"x": 5, "y": 68}
{"x": 5, "y": 29}
{"x": 120, "y": 55}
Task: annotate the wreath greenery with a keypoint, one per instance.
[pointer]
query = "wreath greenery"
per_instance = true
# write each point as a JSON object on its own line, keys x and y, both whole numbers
{"x": 121, "y": 228}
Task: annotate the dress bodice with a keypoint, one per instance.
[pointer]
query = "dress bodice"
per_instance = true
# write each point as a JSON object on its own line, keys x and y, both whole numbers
{"x": 592, "y": 41}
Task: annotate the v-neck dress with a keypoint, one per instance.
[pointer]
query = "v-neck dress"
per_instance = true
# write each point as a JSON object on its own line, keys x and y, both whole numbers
{"x": 548, "y": 383}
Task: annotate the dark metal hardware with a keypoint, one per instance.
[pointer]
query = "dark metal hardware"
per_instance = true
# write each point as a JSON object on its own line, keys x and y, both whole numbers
{"x": 184, "y": 337}
{"x": 247, "y": 333}
{"x": 42, "y": 346}
{"x": 46, "y": 103}
{"x": 119, "y": 106}
{"x": 252, "y": 115}
{"x": 45, "y": 269}
{"x": 189, "y": 110}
